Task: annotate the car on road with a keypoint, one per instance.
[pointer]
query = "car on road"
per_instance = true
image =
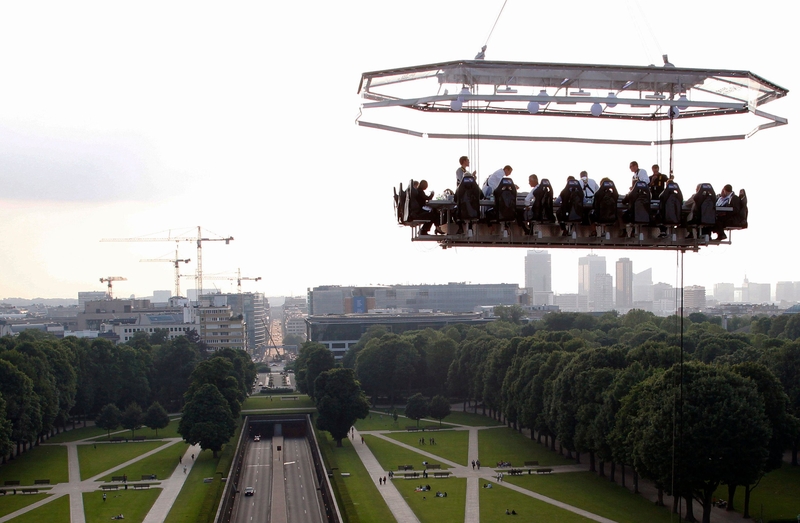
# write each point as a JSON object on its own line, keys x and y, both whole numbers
{"x": 257, "y": 438}
{"x": 249, "y": 491}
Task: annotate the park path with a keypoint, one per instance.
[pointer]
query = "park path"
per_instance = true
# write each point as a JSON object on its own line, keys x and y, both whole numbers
{"x": 172, "y": 487}
{"x": 75, "y": 488}
{"x": 394, "y": 500}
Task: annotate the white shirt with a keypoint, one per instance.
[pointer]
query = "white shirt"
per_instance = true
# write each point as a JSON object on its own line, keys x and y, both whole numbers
{"x": 724, "y": 201}
{"x": 640, "y": 176}
{"x": 589, "y": 187}
{"x": 493, "y": 181}
{"x": 529, "y": 197}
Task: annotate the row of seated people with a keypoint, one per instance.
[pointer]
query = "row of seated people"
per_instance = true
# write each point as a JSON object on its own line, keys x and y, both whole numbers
{"x": 571, "y": 207}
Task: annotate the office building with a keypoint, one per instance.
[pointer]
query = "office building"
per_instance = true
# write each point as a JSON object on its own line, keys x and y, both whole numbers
{"x": 84, "y": 297}
{"x": 694, "y": 297}
{"x": 538, "y": 278}
{"x": 593, "y": 284}
{"x": 786, "y": 291}
{"x": 624, "y": 287}
{"x": 643, "y": 287}
{"x": 724, "y": 292}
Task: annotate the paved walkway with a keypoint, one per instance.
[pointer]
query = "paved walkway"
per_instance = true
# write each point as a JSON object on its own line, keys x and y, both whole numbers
{"x": 75, "y": 487}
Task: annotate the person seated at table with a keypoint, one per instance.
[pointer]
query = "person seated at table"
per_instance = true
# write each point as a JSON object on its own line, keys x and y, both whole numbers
{"x": 588, "y": 186}
{"x": 701, "y": 207}
{"x": 638, "y": 202}
{"x": 493, "y": 180}
{"x": 658, "y": 181}
{"x": 571, "y": 205}
{"x": 463, "y": 169}
{"x": 419, "y": 209}
{"x": 727, "y": 199}
{"x": 639, "y": 175}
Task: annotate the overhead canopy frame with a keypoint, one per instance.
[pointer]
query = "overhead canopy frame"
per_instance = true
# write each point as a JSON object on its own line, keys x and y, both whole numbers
{"x": 604, "y": 92}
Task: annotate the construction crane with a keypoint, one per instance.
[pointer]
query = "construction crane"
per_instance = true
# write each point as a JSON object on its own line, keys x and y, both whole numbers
{"x": 238, "y": 279}
{"x": 181, "y": 238}
{"x": 176, "y": 263}
{"x": 109, "y": 280}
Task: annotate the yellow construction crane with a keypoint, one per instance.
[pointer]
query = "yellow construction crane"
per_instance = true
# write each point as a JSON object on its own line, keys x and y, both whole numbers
{"x": 176, "y": 263}
{"x": 110, "y": 279}
{"x": 181, "y": 238}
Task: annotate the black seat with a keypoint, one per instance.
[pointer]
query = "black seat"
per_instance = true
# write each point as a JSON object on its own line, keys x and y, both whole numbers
{"x": 670, "y": 202}
{"x": 705, "y": 205}
{"x": 604, "y": 207}
{"x": 638, "y": 201}
{"x": 742, "y": 209}
{"x": 571, "y": 203}
{"x": 505, "y": 201}
{"x": 468, "y": 202}
{"x": 399, "y": 203}
{"x": 542, "y": 205}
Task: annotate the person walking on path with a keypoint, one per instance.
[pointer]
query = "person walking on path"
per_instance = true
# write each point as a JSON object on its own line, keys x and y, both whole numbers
{"x": 473, "y": 464}
{"x": 104, "y": 497}
{"x": 180, "y": 459}
{"x": 362, "y": 440}
{"x": 192, "y": 457}
{"x": 184, "y": 469}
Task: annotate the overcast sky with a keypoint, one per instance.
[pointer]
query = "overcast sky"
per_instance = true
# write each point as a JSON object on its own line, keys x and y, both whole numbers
{"x": 132, "y": 119}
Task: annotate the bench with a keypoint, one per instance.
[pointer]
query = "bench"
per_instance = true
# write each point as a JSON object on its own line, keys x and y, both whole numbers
{"x": 146, "y": 477}
{"x": 431, "y": 428}
{"x": 41, "y": 481}
{"x": 287, "y": 398}
{"x": 405, "y": 467}
{"x": 11, "y": 483}
{"x": 412, "y": 428}
{"x": 531, "y": 463}
{"x": 544, "y": 471}
{"x": 141, "y": 485}
{"x": 345, "y": 474}
{"x": 109, "y": 487}
{"x": 441, "y": 474}
{"x": 117, "y": 478}
{"x": 209, "y": 480}
{"x": 30, "y": 491}
{"x": 116, "y": 439}
{"x": 515, "y": 472}
{"x": 433, "y": 466}
{"x": 411, "y": 475}
{"x": 139, "y": 438}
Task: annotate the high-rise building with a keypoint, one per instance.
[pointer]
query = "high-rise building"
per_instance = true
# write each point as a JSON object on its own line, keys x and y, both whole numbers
{"x": 694, "y": 297}
{"x": 84, "y": 297}
{"x": 589, "y": 267}
{"x": 724, "y": 292}
{"x": 602, "y": 295}
{"x": 161, "y": 296}
{"x": 643, "y": 287}
{"x": 624, "y": 287}
{"x": 785, "y": 291}
{"x": 538, "y": 277}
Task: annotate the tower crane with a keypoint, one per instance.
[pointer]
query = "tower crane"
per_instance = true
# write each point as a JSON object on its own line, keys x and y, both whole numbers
{"x": 176, "y": 263}
{"x": 238, "y": 279}
{"x": 181, "y": 238}
{"x": 110, "y": 279}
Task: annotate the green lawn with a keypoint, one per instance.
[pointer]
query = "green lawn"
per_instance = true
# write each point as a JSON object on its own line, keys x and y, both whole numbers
{"x": 390, "y": 455}
{"x": 377, "y": 421}
{"x": 495, "y": 501}
{"x": 505, "y": 444}
{"x": 133, "y": 504}
{"x": 427, "y": 507}
{"x": 162, "y": 464}
{"x": 452, "y": 445}
{"x": 10, "y": 503}
{"x": 171, "y": 431}
{"x": 472, "y": 420}
{"x": 594, "y": 494}
{"x": 356, "y": 495}
{"x": 187, "y": 506}
{"x": 77, "y": 434}
{"x": 42, "y": 462}
{"x": 57, "y": 511}
{"x": 95, "y": 459}
{"x": 777, "y": 493}
{"x": 278, "y": 402}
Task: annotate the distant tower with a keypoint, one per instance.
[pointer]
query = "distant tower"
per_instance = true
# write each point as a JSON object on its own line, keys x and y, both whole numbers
{"x": 589, "y": 268}
{"x": 538, "y": 277}
{"x": 624, "y": 287}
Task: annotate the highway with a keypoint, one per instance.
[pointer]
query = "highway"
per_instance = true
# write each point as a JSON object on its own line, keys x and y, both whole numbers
{"x": 302, "y": 505}
{"x": 256, "y": 473}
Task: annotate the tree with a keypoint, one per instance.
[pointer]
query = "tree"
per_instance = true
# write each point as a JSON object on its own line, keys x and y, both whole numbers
{"x": 131, "y": 418}
{"x": 439, "y": 408}
{"x": 108, "y": 418}
{"x": 510, "y": 314}
{"x": 417, "y": 407}
{"x": 340, "y": 402}
{"x": 313, "y": 360}
{"x": 173, "y": 364}
{"x": 22, "y": 405}
{"x": 5, "y": 430}
{"x": 156, "y": 417}
{"x": 220, "y": 373}
{"x": 207, "y": 419}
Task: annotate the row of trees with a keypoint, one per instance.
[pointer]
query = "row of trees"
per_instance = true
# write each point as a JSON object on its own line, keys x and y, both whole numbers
{"x": 613, "y": 388}
{"x": 44, "y": 381}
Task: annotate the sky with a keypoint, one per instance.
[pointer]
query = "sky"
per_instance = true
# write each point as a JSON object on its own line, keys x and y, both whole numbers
{"x": 150, "y": 119}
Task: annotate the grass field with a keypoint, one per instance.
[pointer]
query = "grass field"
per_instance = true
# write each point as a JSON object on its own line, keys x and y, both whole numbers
{"x": 471, "y": 420}
{"x": 77, "y": 434}
{"x": 42, "y": 462}
{"x": 777, "y": 494}
{"x": 133, "y": 504}
{"x": 95, "y": 459}
{"x": 10, "y": 503}
{"x": 429, "y": 508}
{"x": 452, "y": 445}
{"x": 277, "y": 402}
{"x": 187, "y": 506}
{"x": 378, "y": 421}
{"x": 162, "y": 464}
{"x": 57, "y": 511}
{"x": 505, "y": 444}
{"x": 594, "y": 494}
{"x": 495, "y": 501}
{"x": 357, "y": 495}
{"x": 390, "y": 455}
